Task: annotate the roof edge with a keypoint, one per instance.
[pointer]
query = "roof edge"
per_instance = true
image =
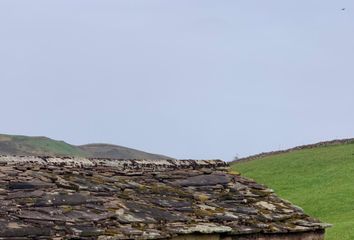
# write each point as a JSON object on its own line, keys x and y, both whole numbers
{"x": 136, "y": 164}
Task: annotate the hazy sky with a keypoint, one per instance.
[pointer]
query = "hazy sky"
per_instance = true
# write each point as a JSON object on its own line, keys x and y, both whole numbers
{"x": 189, "y": 79}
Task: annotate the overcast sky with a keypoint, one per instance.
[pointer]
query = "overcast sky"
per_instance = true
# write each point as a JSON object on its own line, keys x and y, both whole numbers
{"x": 184, "y": 78}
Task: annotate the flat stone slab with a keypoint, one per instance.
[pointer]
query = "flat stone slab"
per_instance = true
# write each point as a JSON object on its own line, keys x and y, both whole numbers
{"x": 203, "y": 180}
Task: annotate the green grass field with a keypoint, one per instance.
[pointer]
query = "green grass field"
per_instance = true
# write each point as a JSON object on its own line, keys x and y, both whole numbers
{"x": 320, "y": 180}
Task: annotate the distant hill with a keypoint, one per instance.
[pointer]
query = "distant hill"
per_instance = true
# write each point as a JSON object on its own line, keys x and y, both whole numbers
{"x": 318, "y": 177}
{"x": 100, "y": 150}
{"x": 39, "y": 146}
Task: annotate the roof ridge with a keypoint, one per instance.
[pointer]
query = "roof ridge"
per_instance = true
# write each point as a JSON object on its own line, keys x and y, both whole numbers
{"x": 142, "y": 164}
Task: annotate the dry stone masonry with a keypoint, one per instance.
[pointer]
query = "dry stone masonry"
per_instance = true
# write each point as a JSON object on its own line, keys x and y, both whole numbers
{"x": 75, "y": 198}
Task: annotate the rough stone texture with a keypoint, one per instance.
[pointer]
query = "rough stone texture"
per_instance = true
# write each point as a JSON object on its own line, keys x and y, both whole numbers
{"x": 316, "y": 235}
{"x": 74, "y": 198}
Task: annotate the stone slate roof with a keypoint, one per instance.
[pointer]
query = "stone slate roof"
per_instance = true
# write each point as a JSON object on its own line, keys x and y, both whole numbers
{"x": 46, "y": 198}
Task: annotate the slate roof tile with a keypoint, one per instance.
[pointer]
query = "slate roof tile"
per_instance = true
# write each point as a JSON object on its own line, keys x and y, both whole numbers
{"x": 136, "y": 199}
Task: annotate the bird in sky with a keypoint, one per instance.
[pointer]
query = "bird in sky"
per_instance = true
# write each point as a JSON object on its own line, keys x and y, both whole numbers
{"x": 343, "y": 9}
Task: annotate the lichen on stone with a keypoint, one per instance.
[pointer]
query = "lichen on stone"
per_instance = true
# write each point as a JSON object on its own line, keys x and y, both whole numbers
{"x": 77, "y": 198}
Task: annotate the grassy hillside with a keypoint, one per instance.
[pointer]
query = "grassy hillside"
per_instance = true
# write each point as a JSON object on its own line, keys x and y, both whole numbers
{"x": 113, "y": 151}
{"x": 320, "y": 180}
{"x": 35, "y": 146}
{"x": 23, "y": 145}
